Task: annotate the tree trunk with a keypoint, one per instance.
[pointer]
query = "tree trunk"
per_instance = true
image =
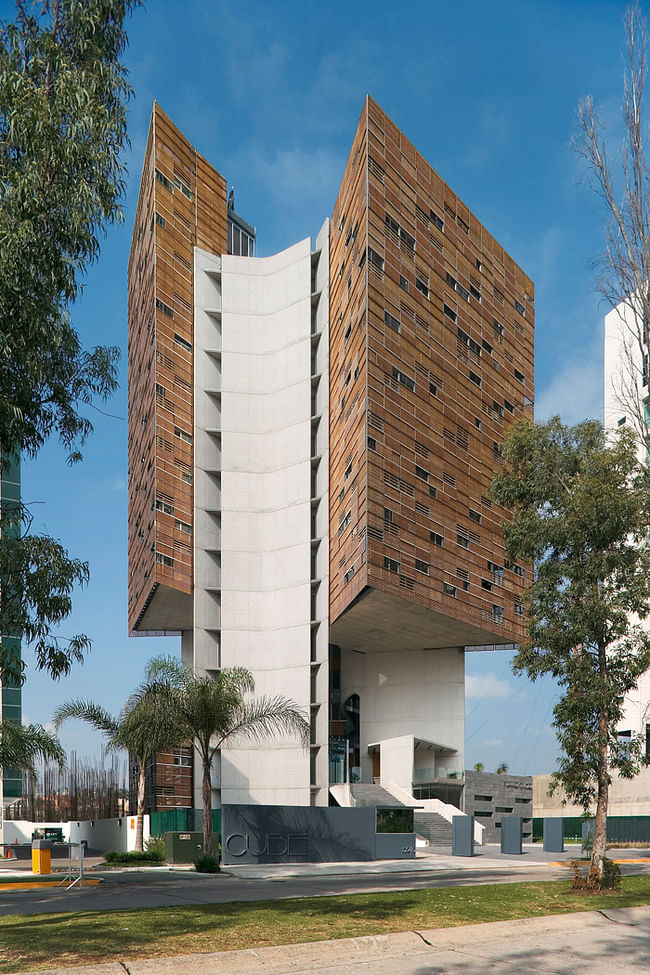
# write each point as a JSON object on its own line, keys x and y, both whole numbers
{"x": 207, "y": 806}
{"x": 595, "y": 874}
{"x": 139, "y": 826}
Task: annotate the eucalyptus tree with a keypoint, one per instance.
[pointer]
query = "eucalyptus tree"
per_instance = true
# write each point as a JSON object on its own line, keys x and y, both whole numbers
{"x": 579, "y": 509}
{"x": 212, "y": 711}
{"x": 63, "y": 95}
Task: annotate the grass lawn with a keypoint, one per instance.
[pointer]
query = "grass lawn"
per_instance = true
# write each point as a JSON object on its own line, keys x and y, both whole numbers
{"x": 83, "y": 938}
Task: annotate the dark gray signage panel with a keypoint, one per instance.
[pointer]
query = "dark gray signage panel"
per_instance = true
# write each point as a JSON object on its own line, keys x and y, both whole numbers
{"x": 395, "y": 846}
{"x": 511, "y": 834}
{"x": 296, "y": 834}
{"x": 462, "y": 836}
{"x": 554, "y": 835}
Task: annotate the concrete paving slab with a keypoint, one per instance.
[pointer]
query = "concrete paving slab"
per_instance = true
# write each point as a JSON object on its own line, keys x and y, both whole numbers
{"x": 628, "y": 915}
{"x": 437, "y": 859}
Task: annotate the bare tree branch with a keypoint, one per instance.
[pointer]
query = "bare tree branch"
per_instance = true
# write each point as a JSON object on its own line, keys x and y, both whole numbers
{"x": 623, "y": 268}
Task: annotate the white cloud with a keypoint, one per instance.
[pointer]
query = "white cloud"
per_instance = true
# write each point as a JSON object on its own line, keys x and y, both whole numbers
{"x": 575, "y": 390}
{"x": 486, "y": 686}
{"x": 295, "y": 176}
{"x": 491, "y": 136}
{"x": 493, "y": 742}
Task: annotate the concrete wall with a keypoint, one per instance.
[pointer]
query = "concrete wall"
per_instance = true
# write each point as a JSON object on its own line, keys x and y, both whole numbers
{"x": 320, "y": 519}
{"x": 201, "y": 648}
{"x": 407, "y": 693}
{"x": 509, "y": 795}
{"x": 395, "y": 846}
{"x": 396, "y": 762}
{"x": 99, "y": 834}
{"x": 271, "y": 834}
{"x": 627, "y": 797}
{"x": 254, "y": 491}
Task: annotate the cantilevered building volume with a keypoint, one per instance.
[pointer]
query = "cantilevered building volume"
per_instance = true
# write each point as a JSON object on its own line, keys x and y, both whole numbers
{"x": 311, "y": 440}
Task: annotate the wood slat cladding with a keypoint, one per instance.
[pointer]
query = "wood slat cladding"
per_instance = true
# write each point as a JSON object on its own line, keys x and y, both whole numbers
{"x": 431, "y": 359}
{"x": 170, "y": 779}
{"x": 182, "y": 203}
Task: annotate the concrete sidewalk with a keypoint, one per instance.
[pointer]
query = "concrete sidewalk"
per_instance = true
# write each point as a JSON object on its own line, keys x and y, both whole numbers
{"x": 433, "y": 858}
{"x": 487, "y": 858}
{"x": 594, "y": 942}
{"x": 436, "y": 859}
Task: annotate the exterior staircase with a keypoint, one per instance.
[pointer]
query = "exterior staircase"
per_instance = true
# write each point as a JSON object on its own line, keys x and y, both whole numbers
{"x": 365, "y": 794}
{"x": 434, "y": 828}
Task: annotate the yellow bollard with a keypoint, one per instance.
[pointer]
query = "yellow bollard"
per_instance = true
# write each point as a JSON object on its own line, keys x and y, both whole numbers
{"x": 41, "y": 857}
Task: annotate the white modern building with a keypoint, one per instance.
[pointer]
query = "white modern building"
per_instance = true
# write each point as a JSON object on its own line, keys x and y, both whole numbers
{"x": 626, "y": 400}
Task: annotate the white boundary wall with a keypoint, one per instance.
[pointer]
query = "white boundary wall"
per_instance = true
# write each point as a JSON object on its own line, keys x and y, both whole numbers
{"x": 99, "y": 834}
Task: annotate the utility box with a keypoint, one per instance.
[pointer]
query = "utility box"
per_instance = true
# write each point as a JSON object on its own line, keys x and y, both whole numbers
{"x": 41, "y": 856}
{"x": 183, "y": 847}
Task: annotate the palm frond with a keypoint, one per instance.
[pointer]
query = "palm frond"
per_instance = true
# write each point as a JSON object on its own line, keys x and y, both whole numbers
{"x": 22, "y": 745}
{"x": 89, "y": 712}
{"x": 151, "y": 726}
{"x": 167, "y": 670}
{"x": 238, "y": 679}
{"x": 265, "y": 717}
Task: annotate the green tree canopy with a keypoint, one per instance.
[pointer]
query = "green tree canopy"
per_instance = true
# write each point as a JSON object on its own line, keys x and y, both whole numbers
{"x": 580, "y": 510}
{"x": 63, "y": 95}
{"x": 38, "y": 579}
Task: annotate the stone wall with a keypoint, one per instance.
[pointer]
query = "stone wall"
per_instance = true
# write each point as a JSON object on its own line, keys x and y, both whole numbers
{"x": 489, "y": 796}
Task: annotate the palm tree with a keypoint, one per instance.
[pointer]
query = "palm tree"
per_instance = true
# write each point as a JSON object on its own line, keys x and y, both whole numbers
{"x": 21, "y": 745}
{"x": 143, "y": 728}
{"x": 479, "y": 767}
{"x": 214, "y": 710}
{"x": 502, "y": 768}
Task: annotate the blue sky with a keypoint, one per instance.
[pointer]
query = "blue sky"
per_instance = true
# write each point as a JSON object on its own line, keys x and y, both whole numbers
{"x": 271, "y": 95}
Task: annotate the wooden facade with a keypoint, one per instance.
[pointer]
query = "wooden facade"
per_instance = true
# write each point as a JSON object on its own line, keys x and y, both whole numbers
{"x": 431, "y": 358}
{"x": 182, "y": 203}
{"x": 168, "y": 781}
